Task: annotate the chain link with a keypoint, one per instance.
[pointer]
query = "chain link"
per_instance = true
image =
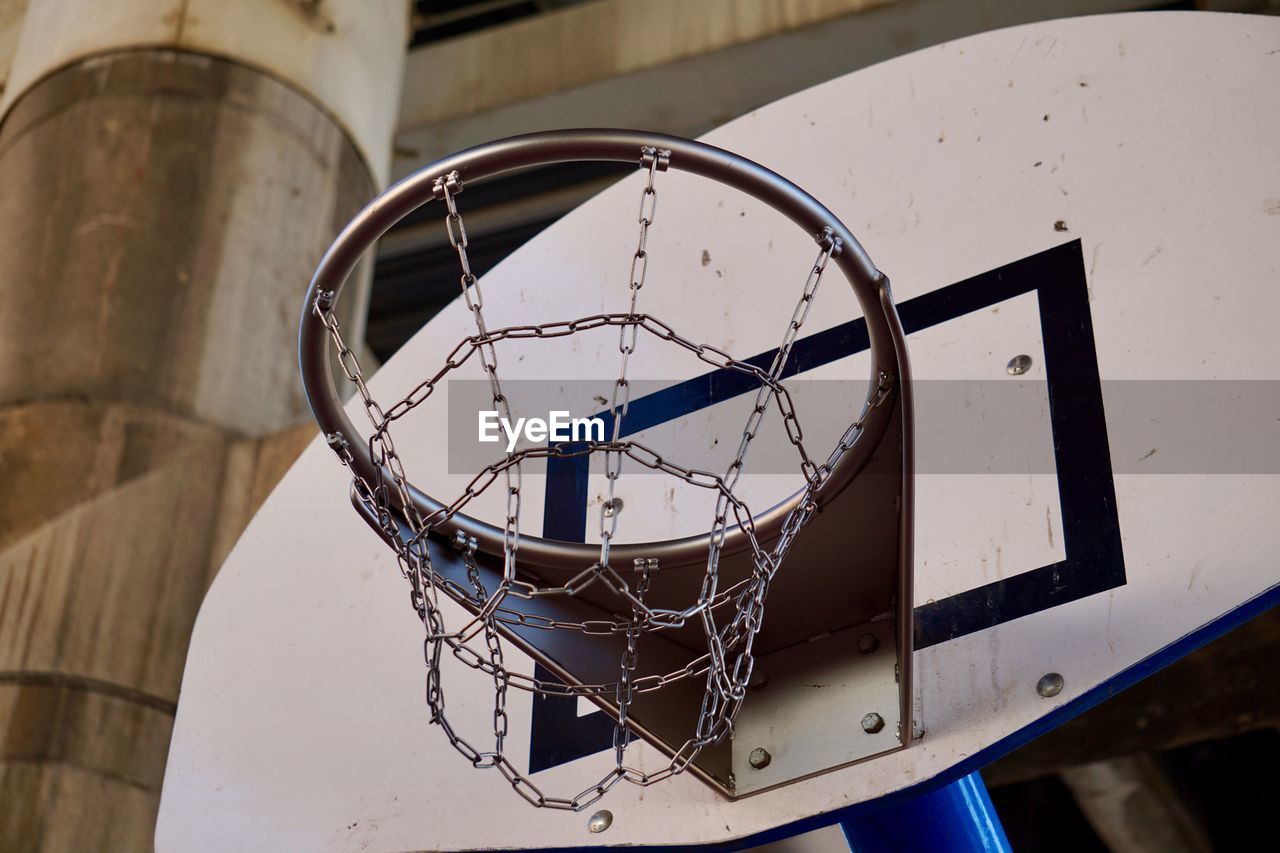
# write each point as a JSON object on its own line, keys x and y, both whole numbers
{"x": 447, "y": 188}
{"x": 726, "y": 665}
{"x": 652, "y": 159}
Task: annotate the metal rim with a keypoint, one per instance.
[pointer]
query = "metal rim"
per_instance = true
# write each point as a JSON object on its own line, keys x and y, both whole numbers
{"x": 870, "y": 286}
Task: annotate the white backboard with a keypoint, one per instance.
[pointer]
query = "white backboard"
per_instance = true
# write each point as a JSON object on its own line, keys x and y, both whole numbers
{"x": 1101, "y": 194}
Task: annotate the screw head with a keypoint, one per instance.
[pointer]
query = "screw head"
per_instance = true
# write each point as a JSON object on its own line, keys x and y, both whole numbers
{"x": 1019, "y": 365}
{"x": 867, "y": 644}
{"x": 1050, "y": 684}
{"x": 759, "y": 678}
{"x": 612, "y": 508}
{"x": 759, "y": 758}
{"x": 600, "y": 821}
{"x": 872, "y": 723}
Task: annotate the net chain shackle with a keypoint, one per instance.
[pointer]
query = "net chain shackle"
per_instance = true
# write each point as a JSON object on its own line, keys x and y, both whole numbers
{"x": 870, "y": 287}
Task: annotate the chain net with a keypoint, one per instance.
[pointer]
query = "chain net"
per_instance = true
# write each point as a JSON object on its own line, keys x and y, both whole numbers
{"x": 729, "y": 617}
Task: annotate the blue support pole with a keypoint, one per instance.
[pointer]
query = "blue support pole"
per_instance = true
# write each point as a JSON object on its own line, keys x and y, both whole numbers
{"x": 958, "y": 817}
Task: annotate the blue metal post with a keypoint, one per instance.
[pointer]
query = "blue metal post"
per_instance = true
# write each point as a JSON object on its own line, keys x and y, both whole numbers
{"x": 958, "y": 817}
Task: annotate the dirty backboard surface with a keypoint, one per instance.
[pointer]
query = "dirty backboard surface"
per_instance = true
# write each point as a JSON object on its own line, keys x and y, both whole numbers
{"x": 1096, "y": 194}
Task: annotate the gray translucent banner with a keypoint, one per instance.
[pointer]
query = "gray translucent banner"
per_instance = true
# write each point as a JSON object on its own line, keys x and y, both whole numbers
{"x": 1002, "y": 426}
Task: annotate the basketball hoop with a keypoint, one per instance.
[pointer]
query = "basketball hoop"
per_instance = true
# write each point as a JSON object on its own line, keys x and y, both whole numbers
{"x": 516, "y": 587}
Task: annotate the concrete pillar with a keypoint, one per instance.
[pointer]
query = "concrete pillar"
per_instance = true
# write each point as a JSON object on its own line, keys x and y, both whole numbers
{"x": 170, "y": 173}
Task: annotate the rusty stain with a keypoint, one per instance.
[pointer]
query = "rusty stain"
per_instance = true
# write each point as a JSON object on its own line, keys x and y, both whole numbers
{"x": 706, "y": 258}
{"x": 1144, "y": 457}
{"x": 993, "y": 654}
{"x": 1195, "y": 573}
{"x": 313, "y": 12}
{"x": 177, "y": 18}
{"x": 1060, "y": 225}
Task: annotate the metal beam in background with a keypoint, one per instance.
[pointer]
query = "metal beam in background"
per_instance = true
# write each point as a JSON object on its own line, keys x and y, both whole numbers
{"x": 690, "y": 92}
{"x": 548, "y": 53}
